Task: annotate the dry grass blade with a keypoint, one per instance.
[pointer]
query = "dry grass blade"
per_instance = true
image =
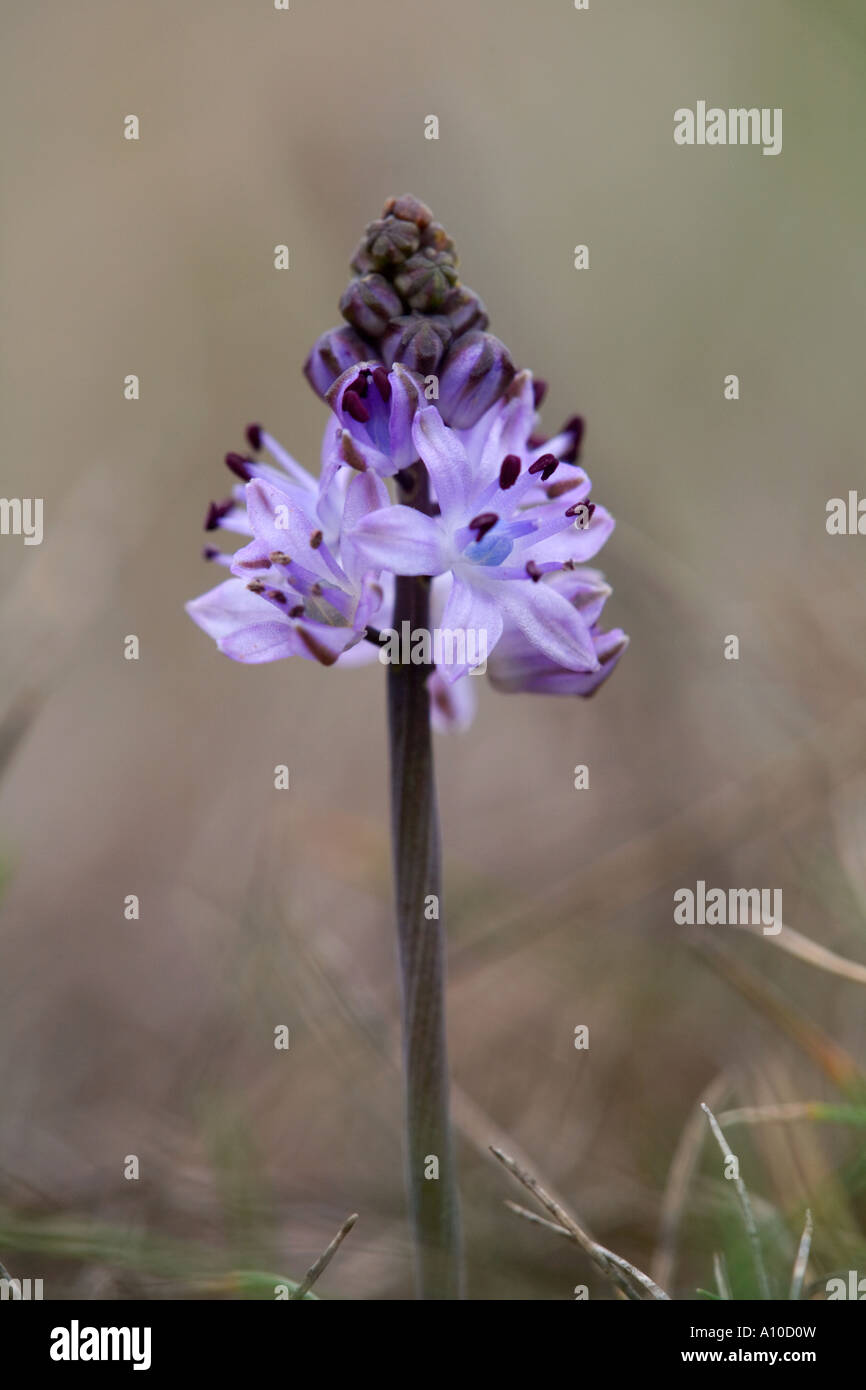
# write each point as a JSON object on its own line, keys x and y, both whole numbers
{"x": 802, "y": 1260}
{"x": 683, "y": 1165}
{"x": 325, "y": 1258}
{"x": 796, "y": 944}
{"x": 745, "y": 1203}
{"x": 626, "y": 1276}
{"x": 816, "y": 1111}
{"x": 833, "y": 1060}
{"x": 720, "y": 1272}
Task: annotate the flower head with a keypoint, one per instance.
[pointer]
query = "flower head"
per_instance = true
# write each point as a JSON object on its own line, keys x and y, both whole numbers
{"x": 505, "y": 533}
{"x": 300, "y": 587}
{"x": 513, "y": 522}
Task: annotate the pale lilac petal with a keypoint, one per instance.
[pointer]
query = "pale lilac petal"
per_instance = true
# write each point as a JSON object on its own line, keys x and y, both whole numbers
{"x": 440, "y": 449}
{"x": 225, "y": 608}
{"x": 365, "y": 494}
{"x": 471, "y": 626}
{"x": 576, "y": 543}
{"x": 549, "y": 623}
{"x": 517, "y": 668}
{"x": 402, "y": 540}
{"x": 452, "y": 705}
{"x": 262, "y": 642}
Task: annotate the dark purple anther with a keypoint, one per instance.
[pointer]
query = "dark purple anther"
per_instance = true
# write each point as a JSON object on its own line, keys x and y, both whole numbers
{"x": 239, "y": 465}
{"x": 354, "y": 406}
{"x": 510, "y": 471}
{"x": 483, "y": 523}
{"x": 215, "y": 513}
{"x": 575, "y": 427}
{"x": 547, "y": 461}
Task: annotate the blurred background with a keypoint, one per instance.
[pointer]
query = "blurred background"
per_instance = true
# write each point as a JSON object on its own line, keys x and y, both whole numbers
{"x": 154, "y": 1037}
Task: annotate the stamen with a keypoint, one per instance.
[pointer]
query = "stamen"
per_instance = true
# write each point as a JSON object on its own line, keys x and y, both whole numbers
{"x": 254, "y": 437}
{"x": 254, "y": 564}
{"x": 483, "y": 523}
{"x": 380, "y": 376}
{"x": 316, "y": 589}
{"x": 215, "y": 513}
{"x": 510, "y": 471}
{"x": 589, "y": 507}
{"x": 349, "y": 453}
{"x": 239, "y": 465}
{"x": 256, "y": 586}
{"x": 354, "y": 406}
{"x": 276, "y": 596}
{"x": 279, "y": 557}
{"x": 539, "y": 391}
{"x": 547, "y": 461}
{"x": 575, "y": 427}
{"x": 533, "y": 571}
{"x": 297, "y": 611}
{"x": 316, "y": 539}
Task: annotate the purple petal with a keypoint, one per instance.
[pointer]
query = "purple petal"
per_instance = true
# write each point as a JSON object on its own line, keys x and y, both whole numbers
{"x": 441, "y": 450}
{"x": 549, "y": 623}
{"x": 473, "y": 615}
{"x": 402, "y": 540}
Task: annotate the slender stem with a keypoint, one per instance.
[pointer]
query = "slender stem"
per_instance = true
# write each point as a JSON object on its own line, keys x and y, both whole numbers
{"x": 431, "y": 1171}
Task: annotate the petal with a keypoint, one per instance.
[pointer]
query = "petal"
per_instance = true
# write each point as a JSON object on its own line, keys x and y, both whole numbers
{"x": 225, "y": 608}
{"x": 452, "y": 706}
{"x": 366, "y": 493}
{"x": 402, "y": 540}
{"x": 517, "y": 668}
{"x": 470, "y": 628}
{"x": 280, "y": 524}
{"x": 577, "y": 543}
{"x": 549, "y": 623}
{"x": 262, "y": 642}
{"x": 440, "y": 449}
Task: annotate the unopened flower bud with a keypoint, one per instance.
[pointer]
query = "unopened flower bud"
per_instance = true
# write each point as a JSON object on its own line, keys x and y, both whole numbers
{"x": 391, "y": 241}
{"x": 369, "y": 304}
{"x": 435, "y": 238}
{"x": 410, "y": 209}
{"x": 332, "y": 354}
{"x": 425, "y": 280}
{"x": 477, "y": 371}
{"x": 419, "y": 342}
{"x": 465, "y": 310}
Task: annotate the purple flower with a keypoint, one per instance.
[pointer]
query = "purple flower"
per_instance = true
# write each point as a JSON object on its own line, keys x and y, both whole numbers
{"x": 332, "y": 354}
{"x": 514, "y": 521}
{"x": 376, "y": 410}
{"x": 300, "y": 587}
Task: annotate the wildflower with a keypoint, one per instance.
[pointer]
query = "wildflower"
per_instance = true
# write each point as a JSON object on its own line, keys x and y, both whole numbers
{"x": 300, "y": 587}
{"x": 510, "y": 538}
